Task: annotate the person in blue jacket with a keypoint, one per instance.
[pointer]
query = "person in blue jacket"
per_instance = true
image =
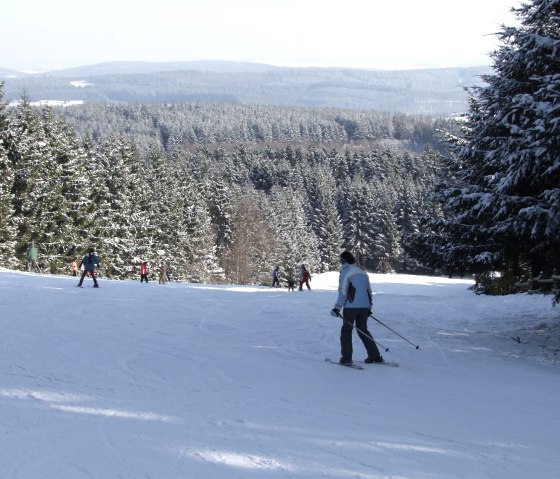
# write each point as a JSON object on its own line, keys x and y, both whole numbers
{"x": 90, "y": 261}
{"x": 355, "y": 296}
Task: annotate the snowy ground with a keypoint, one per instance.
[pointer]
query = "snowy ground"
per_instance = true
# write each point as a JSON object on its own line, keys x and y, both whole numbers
{"x": 202, "y": 382}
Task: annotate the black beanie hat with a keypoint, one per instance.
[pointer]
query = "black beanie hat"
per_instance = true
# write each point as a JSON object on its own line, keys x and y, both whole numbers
{"x": 347, "y": 257}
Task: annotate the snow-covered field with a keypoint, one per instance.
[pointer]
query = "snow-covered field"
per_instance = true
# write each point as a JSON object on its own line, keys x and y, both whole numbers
{"x": 209, "y": 382}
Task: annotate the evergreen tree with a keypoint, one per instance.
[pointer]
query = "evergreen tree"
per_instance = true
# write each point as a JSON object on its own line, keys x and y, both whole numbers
{"x": 194, "y": 252}
{"x": 7, "y": 221}
{"x": 324, "y": 218}
{"x": 67, "y": 196}
{"x": 26, "y": 154}
{"x": 220, "y": 205}
{"x": 158, "y": 195}
{"x": 359, "y": 208}
{"x": 47, "y": 158}
{"x": 113, "y": 219}
{"x": 296, "y": 243}
{"x": 523, "y": 101}
{"x": 503, "y": 206}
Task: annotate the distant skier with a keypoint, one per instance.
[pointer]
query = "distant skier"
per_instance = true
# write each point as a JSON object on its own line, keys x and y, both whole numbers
{"x": 355, "y": 296}
{"x": 291, "y": 283}
{"x": 162, "y": 273}
{"x": 304, "y": 278}
{"x": 144, "y": 272}
{"x": 168, "y": 272}
{"x": 32, "y": 255}
{"x": 89, "y": 262}
{"x": 276, "y": 277}
{"x": 74, "y": 268}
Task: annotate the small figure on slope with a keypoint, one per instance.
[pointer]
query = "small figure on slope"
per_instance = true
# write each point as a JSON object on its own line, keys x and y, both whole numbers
{"x": 304, "y": 278}
{"x": 89, "y": 262}
{"x": 144, "y": 272}
{"x": 276, "y": 277}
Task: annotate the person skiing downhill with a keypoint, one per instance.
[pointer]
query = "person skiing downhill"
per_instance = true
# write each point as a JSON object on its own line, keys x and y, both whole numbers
{"x": 355, "y": 296}
{"x": 90, "y": 261}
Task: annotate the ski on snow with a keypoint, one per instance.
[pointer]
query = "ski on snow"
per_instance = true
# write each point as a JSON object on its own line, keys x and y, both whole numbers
{"x": 361, "y": 364}
{"x": 346, "y": 365}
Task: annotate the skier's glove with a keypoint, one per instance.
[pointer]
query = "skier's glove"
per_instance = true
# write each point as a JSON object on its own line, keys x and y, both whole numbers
{"x": 335, "y": 312}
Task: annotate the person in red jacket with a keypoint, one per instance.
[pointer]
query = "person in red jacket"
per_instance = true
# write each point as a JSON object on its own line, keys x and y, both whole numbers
{"x": 144, "y": 272}
{"x": 304, "y": 278}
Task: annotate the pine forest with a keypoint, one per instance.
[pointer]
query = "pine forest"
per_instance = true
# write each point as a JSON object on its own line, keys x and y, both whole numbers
{"x": 219, "y": 202}
{"x": 225, "y": 192}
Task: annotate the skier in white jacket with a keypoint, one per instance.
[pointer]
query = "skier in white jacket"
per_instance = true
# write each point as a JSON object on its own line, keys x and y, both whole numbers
{"x": 355, "y": 296}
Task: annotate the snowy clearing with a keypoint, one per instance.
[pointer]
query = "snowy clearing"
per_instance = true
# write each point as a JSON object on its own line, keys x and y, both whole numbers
{"x": 203, "y": 381}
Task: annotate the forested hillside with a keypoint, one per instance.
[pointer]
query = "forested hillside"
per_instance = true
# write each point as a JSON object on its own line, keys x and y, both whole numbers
{"x": 220, "y": 192}
{"x": 188, "y": 126}
{"x": 438, "y": 91}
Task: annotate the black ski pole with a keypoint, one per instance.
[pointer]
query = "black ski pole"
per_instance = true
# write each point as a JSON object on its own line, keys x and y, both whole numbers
{"x": 360, "y": 331}
{"x": 390, "y": 329}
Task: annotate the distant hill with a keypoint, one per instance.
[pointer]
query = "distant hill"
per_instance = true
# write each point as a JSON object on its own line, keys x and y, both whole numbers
{"x": 430, "y": 91}
{"x": 137, "y": 68}
{"x": 7, "y": 73}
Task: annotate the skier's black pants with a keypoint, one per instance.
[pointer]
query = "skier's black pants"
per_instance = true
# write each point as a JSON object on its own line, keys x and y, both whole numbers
{"x": 359, "y": 316}
{"x": 85, "y": 272}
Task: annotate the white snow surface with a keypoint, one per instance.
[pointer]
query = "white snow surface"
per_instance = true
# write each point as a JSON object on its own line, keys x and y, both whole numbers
{"x": 203, "y": 381}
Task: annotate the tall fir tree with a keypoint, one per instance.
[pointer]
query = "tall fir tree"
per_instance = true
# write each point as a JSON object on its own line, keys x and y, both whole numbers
{"x": 359, "y": 214}
{"x": 296, "y": 243}
{"x": 324, "y": 218}
{"x": 502, "y": 206}
{"x": 46, "y": 158}
{"x": 194, "y": 253}
{"x": 114, "y": 220}
{"x": 8, "y": 232}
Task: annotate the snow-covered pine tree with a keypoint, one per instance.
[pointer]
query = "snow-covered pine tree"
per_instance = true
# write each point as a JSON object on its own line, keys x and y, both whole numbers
{"x": 324, "y": 218}
{"x": 296, "y": 243}
{"x": 7, "y": 226}
{"x": 194, "y": 246}
{"x": 7, "y": 221}
{"x": 359, "y": 205}
{"x": 113, "y": 220}
{"x": 502, "y": 207}
{"x": 416, "y": 209}
{"x": 386, "y": 237}
{"x": 66, "y": 197}
{"x": 39, "y": 202}
{"x": 220, "y": 207}
{"x": 523, "y": 97}
{"x": 159, "y": 201}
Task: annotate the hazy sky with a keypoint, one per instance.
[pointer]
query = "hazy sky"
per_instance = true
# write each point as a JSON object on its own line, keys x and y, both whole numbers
{"x": 52, "y": 34}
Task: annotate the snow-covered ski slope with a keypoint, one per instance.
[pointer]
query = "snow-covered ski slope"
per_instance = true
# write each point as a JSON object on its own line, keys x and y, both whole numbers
{"x": 220, "y": 382}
